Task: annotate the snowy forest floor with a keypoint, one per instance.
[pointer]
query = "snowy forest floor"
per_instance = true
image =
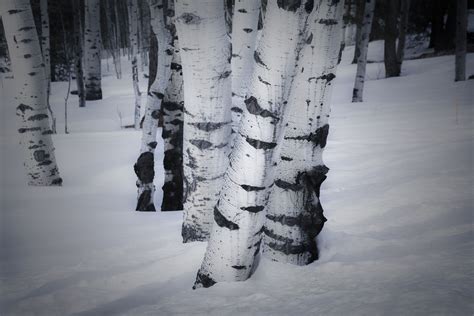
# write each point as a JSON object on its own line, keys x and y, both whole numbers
{"x": 398, "y": 199}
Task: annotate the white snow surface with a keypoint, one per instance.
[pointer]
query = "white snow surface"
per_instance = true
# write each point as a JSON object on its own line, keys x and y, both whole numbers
{"x": 398, "y": 198}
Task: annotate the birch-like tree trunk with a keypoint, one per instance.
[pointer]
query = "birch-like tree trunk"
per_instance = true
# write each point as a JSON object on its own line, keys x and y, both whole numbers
{"x": 392, "y": 66}
{"x": 359, "y": 18}
{"x": 244, "y": 40}
{"x": 92, "y": 50}
{"x": 205, "y": 56}
{"x": 294, "y": 214}
{"x": 144, "y": 167}
{"x": 358, "y": 91}
{"x": 239, "y": 214}
{"x": 30, "y": 80}
{"x": 78, "y": 54}
{"x": 172, "y": 130}
{"x": 133, "y": 36}
{"x": 402, "y": 30}
{"x": 461, "y": 40}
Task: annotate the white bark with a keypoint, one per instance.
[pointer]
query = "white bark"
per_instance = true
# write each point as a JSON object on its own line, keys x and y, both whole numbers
{"x": 172, "y": 131}
{"x": 133, "y": 32}
{"x": 239, "y": 214}
{"x": 244, "y": 40}
{"x": 294, "y": 214}
{"x": 357, "y": 93}
{"x": 92, "y": 50}
{"x": 45, "y": 47}
{"x": 461, "y": 40}
{"x": 30, "y": 77}
{"x": 205, "y": 55}
{"x": 144, "y": 168}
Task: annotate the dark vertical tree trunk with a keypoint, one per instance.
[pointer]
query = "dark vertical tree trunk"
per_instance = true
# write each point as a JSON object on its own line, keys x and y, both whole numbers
{"x": 392, "y": 66}
{"x": 461, "y": 40}
{"x": 152, "y": 59}
{"x": 404, "y": 15}
{"x": 78, "y": 67}
{"x": 92, "y": 51}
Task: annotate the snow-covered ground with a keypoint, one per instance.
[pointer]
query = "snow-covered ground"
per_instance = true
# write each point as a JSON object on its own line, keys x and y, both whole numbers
{"x": 399, "y": 202}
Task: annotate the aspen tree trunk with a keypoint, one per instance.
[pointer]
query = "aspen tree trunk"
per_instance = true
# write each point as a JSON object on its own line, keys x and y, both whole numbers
{"x": 351, "y": 29}
{"x": 133, "y": 36}
{"x": 345, "y": 24}
{"x": 357, "y": 93}
{"x": 78, "y": 68}
{"x": 392, "y": 66}
{"x": 294, "y": 214}
{"x": 461, "y": 40}
{"x": 403, "y": 26}
{"x": 144, "y": 167}
{"x": 45, "y": 49}
{"x": 360, "y": 9}
{"x": 112, "y": 39}
{"x": 30, "y": 77}
{"x": 92, "y": 50}
{"x": 118, "y": 40}
{"x": 239, "y": 213}
{"x": 205, "y": 56}
{"x": 172, "y": 131}
{"x": 244, "y": 40}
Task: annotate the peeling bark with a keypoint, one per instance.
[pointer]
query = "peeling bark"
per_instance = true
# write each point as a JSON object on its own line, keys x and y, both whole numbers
{"x": 205, "y": 56}
{"x": 236, "y": 234}
{"x": 30, "y": 77}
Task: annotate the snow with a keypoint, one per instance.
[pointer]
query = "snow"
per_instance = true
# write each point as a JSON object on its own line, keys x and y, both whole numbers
{"x": 398, "y": 199}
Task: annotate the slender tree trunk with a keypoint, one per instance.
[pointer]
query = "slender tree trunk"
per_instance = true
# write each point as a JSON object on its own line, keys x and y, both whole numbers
{"x": 461, "y": 40}
{"x": 92, "y": 51}
{"x": 358, "y": 91}
{"x": 345, "y": 24}
{"x": 205, "y": 55}
{"x": 404, "y": 15}
{"x": 392, "y": 66}
{"x": 30, "y": 77}
{"x": 172, "y": 131}
{"x": 144, "y": 167}
{"x": 78, "y": 68}
{"x": 294, "y": 214}
{"x": 239, "y": 214}
{"x": 133, "y": 35}
{"x": 118, "y": 39}
{"x": 112, "y": 38}
{"x": 360, "y": 9}
{"x": 244, "y": 40}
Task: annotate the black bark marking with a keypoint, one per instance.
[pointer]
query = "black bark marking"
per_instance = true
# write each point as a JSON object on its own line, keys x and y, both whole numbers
{"x": 242, "y": 11}
{"x": 328, "y": 21}
{"x": 201, "y": 143}
{"x": 263, "y": 81}
{"x": 30, "y": 129}
{"x": 57, "y": 181}
{"x": 236, "y": 109}
{"x": 309, "y": 5}
{"x": 286, "y": 158}
{"x": 172, "y": 106}
{"x": 156, "y": 114}
{"x": 152, "y": 145}
{"x": 208, "y": 126}
{"x": 258, "y": 144}
{"x": 14, "y": 11}
{"x": 249, "y": 188}
{"x": 145, "y": 167}
{"x": 270, "y": 233}
{"x": 40, "y": 155}
{"x": 309, "y": 39}
{"x": 328, "y": 77}
{"x": 319, "y": 137}
{"x": 239, "y": 267}
{"x": 288, "y": 186}
{"x": 258, "y": 59}
{"x": 26, "y": 40}
{"x": 27, "y": 56}
{"x": 247, "y": 30}
{"x": 45, "y": 163}
{"x": 38, "y": 117}
{"x": 203, "y": 279}
{"x": 176, "y": 66}
{"x": 289, "y": 5}
{"x": 254, "y": 108}
{"x": 224, "y": 222}
{"x": 225, "y": 74}
{"x": 190, "y": 18}
{"x": 47, "y": 132}
{"x": 32, "y": 73}
{"x": 145, "y": 203}
{"x": 23, "y": 107}
{"x": 253, "y": 209}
